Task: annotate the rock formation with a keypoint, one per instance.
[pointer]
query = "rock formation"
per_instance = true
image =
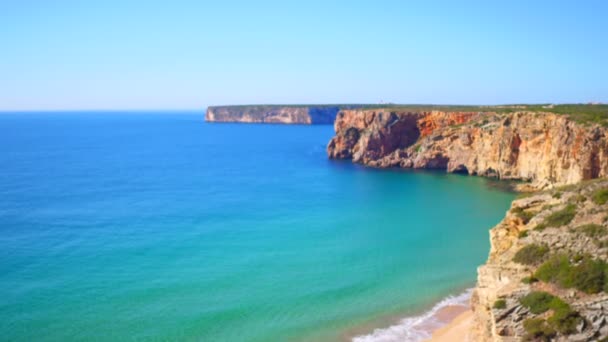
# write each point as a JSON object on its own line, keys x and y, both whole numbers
{"x": 546, "y": 278}
{"x": 581, "y": 237}
{"x": 544, "y": 148}
{"x": 273, "y": 114}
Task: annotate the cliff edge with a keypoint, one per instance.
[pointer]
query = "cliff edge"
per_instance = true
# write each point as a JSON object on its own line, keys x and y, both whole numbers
{"x": 546, "y": 278}
{"x": 544, "y": 148}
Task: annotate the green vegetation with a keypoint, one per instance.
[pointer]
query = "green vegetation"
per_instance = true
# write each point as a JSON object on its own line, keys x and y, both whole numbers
{"x": 582, "y": 113}
{"x": 559, "y": 218}
{"x": 531, "y": 254}
{"x": 564, "y": 319}
{"x": 580, "y": 198}
{"x": 500, "y": 304}
{"x": 600, "y": 196}
{"x": 524, "y": 215}
{"x": 522, "y": 234}
{"x": 593, "y": 230}
{"x": 538, "y": 302}
{"x": 529, "y": 280}
{"x": 586, "y": 274}
{"x": 537, "y": 329}
{"x": 557, "y": 195}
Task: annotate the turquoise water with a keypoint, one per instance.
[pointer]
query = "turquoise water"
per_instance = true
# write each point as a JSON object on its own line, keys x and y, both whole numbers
{"x": 158, "y": 226}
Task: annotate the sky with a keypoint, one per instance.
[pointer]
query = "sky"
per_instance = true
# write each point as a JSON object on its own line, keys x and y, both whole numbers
{"x": 118, "y": 54}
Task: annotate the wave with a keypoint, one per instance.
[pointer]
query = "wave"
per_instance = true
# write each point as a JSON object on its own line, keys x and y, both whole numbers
{"x": 417, "y": 328}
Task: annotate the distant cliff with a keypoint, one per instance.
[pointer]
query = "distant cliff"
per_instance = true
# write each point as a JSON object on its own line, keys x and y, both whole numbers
{"x": 545, "y": 148}
{"x": 307, "y": 115}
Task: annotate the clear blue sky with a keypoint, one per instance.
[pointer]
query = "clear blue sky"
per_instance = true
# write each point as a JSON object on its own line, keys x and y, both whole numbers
{"x": 190, "y": 54}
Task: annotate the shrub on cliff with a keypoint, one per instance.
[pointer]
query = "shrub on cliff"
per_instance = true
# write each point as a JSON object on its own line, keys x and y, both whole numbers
{"x": 600, "y": 196}
{"x": 593, "y": 230}
{"x": 555, "y": 270}
{"x": 538, "y": 301}
{"x": 563, "y": 320}
{"x": 531, "y": 254}
{"x": 587, "y": 275}
{"x": 524, "y": 215}
{"x": 537, "y": 329}
{"x": 559, "y": 218}
{"x": 500, "y": 304}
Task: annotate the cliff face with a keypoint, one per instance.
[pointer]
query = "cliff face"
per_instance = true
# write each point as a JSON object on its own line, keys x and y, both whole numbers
{"x": 273, "y": 114}
{"x": 546, "y": 278}
{"x": 547, "y": 149}
{"x": 568, "y": 225}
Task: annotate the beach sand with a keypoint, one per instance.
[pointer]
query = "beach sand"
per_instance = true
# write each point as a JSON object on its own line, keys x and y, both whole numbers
{"x": 458, "y": 327}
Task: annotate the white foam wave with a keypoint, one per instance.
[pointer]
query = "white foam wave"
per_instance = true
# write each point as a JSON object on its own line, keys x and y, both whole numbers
{"x": 416, "y": 328}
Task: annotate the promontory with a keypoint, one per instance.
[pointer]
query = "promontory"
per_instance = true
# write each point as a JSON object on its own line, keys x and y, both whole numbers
{"x": 546, "y": 278}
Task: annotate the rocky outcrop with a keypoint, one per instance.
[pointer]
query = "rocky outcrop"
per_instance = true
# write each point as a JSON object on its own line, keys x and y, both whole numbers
{"x": 544, "y": 148}
{"x": 273, "y": 114}
{"x": 531, "y": 221}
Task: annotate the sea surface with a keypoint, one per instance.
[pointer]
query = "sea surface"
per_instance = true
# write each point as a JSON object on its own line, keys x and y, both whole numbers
{"x": 157, "y": 226}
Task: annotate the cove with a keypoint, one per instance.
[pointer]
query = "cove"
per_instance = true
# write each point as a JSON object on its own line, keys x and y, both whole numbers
{"x": 160, "y": 226}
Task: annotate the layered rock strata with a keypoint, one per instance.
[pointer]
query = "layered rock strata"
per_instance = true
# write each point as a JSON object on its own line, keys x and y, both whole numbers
{"x": 561, "y": 231}
{"x": 505, "y": 281}
{"x": 544, "y": 148}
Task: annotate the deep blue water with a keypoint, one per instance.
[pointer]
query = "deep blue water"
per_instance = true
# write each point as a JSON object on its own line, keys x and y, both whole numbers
{"x": 159, "y": 226}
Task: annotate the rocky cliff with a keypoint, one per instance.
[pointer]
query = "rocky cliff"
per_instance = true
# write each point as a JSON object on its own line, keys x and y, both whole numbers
{"x": 544, "y": 148}
{"x": 308, "y": 115}
{"x": 546, "y": 277}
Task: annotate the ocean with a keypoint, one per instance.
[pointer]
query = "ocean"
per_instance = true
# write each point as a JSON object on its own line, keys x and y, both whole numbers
{"x": 157, "y": 226}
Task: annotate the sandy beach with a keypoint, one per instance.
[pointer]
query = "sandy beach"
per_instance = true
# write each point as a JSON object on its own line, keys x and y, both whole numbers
{"x": 457, "y": 329}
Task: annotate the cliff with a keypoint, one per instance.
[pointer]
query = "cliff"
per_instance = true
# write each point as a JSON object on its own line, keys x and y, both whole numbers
{"x": 546, "y": 277}
{"x": 546, "y": 149}
{"x": 322, "y": 114}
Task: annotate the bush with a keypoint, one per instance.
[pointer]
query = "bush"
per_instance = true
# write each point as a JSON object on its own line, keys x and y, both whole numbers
{"x": 538, "y": 330}
{"x": 589, "y": 276}
{"x": 500, "y": 304}
{"x": 557, "y": 195}
{"x": 600, "y": 196}
{"x": 522, "y": 234}
{"x": 593, "y": 230}
{"x": 537, "y": 301}
{"x": 531, "y": 254}
{"x": 525, "y": 216}
{"x": 555, "y": 270}
{"x": 564, "y": 319}
{"x": 580, "y": 199}
{"x": 561, "y": 217}
{"x": 529, "y": 280}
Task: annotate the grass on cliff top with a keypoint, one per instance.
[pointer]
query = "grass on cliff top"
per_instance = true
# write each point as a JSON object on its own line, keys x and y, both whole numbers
{"x": 583, "y": 113}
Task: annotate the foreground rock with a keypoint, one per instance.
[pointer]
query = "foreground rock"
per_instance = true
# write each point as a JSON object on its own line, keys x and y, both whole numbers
{"x": 569, "y": 225}
{"x": 544, "y": 148}
{"x": 322, "y": 115}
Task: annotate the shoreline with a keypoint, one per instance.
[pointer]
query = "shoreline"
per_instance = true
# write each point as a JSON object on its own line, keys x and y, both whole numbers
{"x": 447, "y": 320}
{"x": 456, "y": 330}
